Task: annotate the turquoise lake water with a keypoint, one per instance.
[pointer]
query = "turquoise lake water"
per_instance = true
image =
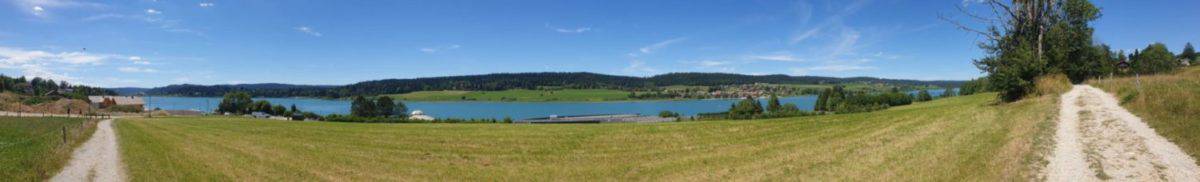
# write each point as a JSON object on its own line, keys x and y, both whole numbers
{"x": 497, "y": 110}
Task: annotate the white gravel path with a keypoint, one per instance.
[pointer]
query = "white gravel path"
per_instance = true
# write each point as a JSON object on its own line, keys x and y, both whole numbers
{"x": 97, "y": 159}
{"x": 1098, "y": 140}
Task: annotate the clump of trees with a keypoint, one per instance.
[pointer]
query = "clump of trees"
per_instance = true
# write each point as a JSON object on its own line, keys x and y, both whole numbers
{"x": 382, "y": 107}
{"x": 39, "y": 88}
{"x": 1030, "y": 38}
{"x": 241, "y": 103}
{"x": 751, "y": 108}
{"x": 838, "y": 100}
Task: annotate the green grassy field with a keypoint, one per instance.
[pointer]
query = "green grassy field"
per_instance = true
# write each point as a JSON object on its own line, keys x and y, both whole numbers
{"x": 1169, "y": 103}
{"x": 957, "y": 139}
{"x": 32, "y": 149}
{"x": 518, "y": 95}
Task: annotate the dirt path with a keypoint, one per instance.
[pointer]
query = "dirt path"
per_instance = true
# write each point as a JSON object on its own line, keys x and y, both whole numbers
{"x": 96, "y": 160}
{"x": 1097, "y": 140}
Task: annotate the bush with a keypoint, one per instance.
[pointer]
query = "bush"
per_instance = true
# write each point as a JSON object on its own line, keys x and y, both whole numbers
{"x": 1053, "y": 84}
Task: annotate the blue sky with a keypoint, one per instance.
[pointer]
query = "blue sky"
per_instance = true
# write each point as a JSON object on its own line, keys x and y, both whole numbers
{"x": 148, "y": 43}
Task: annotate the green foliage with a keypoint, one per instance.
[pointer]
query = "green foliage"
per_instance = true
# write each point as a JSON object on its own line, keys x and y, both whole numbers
{"x": 974, "y": 86}
{"x": 773, "y": 104}
{"x": 361, "y": 107}
{"x": 668, "y": 114}
{"x": 1040, "y": 37}
{"x": 746, "y": 109}
{"x": 39, "y": 87}
{"x": 950, "y": 92}
{"x": 383, "y": 107}
{"x": 840, "y": 101}
{"x": 236, "y": 103}
{"x": 1189, "y": 53}
{"x": 1155, "y": 58}
{"x": 923, "y": 96}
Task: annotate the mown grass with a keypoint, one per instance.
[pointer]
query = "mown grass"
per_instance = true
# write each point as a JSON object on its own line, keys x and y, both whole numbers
{"x": 32, "y": 149}
{"x": 1169, "y": 103}
{"x": 519, "y": 95}
{"x": 957, "y": 139}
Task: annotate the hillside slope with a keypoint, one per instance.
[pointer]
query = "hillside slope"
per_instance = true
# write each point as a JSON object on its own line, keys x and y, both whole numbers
{"x": 956, "y": 139}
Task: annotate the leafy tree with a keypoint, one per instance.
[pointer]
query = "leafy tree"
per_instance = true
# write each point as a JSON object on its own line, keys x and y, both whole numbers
{"x": 294, "y": 109}
{"x": 279, "y": 110}
{"x": 361, "y": 107}
{"x": 1189, "y": 53}
{"x": 235, "y": 102}
{"x": 385, "y": 106}
{"x": 1155, "y": 58}
{"x": 923, "y": 96}
{"x": 773, "y": 104}
{"x": 262, "y": 106}
{"x": 822, "y": 100}
{"x": 1033, "y": 38}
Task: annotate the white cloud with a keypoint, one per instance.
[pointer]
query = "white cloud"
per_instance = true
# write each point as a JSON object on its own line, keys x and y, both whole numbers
{"x": 576, "y": 30}
{"x": 432, "y": 50}
{"x": 711, "y": 63}
{"x": 775, "y": 57}
{"x": 663, "y": 44}
{"x": 800, "y": 37}
{"x": 42, "y": 8}
{"x": 205, "y": 5}
{"x": 138, "y": 60}
{"x": 309, "y": 31}
{"x": 639, "y": 66}
{"x": 136, "y": 70}
{"x": 49, "y": 64}
{"x": 153, "y": 12}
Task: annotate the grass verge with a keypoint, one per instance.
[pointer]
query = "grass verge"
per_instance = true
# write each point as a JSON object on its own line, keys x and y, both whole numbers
{"x": 33, "y": 149}
{"x": 1169, "y": 103}
{"x": 966, "y": 138}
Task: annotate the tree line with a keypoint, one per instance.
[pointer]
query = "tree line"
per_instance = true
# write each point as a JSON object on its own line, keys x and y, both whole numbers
{"x": 39, "y": 87}
{"x": 240, "y": 103}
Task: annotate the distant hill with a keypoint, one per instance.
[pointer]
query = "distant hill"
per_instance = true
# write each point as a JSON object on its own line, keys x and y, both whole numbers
{"x": 128, "y": 90}
{"x": 506, "y": 81}
{"x": 261, "y": 90}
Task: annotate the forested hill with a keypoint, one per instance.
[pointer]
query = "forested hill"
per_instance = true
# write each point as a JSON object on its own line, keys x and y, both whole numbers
{"x": 505, "y": 81}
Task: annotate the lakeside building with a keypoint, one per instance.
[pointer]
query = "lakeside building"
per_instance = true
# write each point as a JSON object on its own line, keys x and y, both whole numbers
{"x": 609, "y": 118}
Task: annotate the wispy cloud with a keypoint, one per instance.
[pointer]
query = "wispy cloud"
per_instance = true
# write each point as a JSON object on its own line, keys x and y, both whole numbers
{"x": 49, "y": 64}
{"x": 309, "y": 31}
{"x": 136, "y": 70}
{"x": 138, "y": 60}
{"x": 639, "y": 66}
{"x": 712, "y": 63}
{"x": 577, "y": 30}
{"x": 432, "y": 50}
{"x": 205, "y": 5}
{"x": 800, "y": 37}
{"x": 42, "y": 8}
{"x": 662, "y": 44}
{"x": 775, "y": 57}
{"x": 168, "y": 25}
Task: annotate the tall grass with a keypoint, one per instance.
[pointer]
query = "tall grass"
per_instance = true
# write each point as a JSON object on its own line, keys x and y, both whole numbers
{"x": 33, "y": 149}
{"x": 956, "y": 139}
{"x": 1169, "y": 103}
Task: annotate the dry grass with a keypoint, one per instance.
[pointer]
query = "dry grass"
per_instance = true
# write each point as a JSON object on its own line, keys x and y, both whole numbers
{"x": 32, "y": 149}
{"x": 956, "y": 139}
{"x": 1169, "y": 103}
{"x": 1055, "y": 84}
